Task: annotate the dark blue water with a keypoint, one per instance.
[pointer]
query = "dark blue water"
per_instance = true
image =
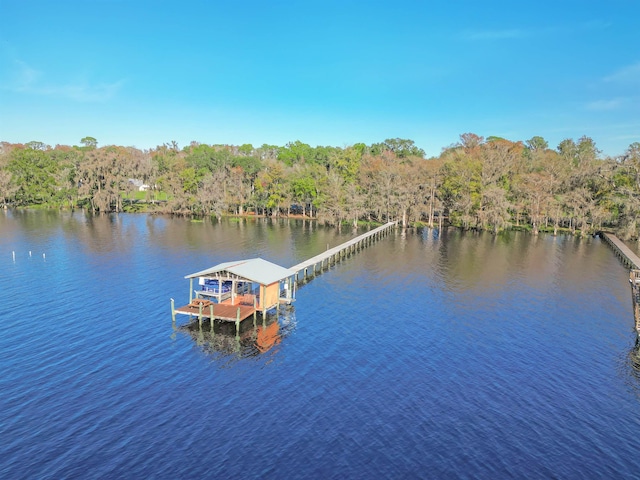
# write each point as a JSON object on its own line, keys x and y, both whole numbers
{"x": 424, "y": 356}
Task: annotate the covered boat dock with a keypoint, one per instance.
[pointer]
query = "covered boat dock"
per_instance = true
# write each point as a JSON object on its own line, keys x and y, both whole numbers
{"x": 233, "y": 291}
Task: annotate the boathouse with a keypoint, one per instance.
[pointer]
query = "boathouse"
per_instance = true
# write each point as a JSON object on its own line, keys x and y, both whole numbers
{"x": 233, "y": 291}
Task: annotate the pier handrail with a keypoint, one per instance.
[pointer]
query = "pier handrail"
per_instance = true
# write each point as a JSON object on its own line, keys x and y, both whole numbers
{"x": 343, "y": 246}
{"x": 625, "y": 253}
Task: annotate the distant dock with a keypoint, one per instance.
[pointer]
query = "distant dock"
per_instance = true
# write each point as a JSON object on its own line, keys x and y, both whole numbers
{"x": 632, "y": 261}
{"x": 623, "y": 252}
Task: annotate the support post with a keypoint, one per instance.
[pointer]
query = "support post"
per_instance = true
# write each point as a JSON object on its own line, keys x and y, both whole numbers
{"x": 255, "y": 309}
{"x": 238, "y": 324}
{"x": 190, "y": 290}
{"x": 211, "y": 317}
{"x": 200, "y": 316}
{"x": 233, "y": 292}
{"x": 173, "y": 311}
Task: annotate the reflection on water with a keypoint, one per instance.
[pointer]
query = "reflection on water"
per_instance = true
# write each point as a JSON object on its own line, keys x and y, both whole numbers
{"x": 634, "y": 359}
{"x": 473, "y": 355}
{"x": 254, "y": 338}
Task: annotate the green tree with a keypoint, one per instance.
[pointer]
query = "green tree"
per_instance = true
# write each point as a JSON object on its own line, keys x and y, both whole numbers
{"x": 536, "y": 144}
{"x": 271, "y": 186}
{"x": 295, "y": 152}
{"x": 7, "y": 187}
{"x": 346, "y": 163}
{"x": 35, "y": 145}
{"x": 33, "y": 174}
{"x": 246, "y": 149}
{"x": 401, "y": 147}
{"x": 89, "y": 143}
{"x": 303, "y": 188}
{"x": 191, "y": 178}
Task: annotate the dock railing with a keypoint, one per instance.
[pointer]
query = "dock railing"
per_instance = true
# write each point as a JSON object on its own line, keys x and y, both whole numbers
{"x": 630, "y": 259}
{"x": 336, "y": 254}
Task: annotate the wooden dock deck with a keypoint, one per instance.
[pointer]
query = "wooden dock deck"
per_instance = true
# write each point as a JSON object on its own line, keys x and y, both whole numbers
{"x": 631, "y": 260}
{"x": 336, "y": 254}
{"x": 229, "y": 313}
{"x": 225, "y": 311}
{"x": 621, "y": 250}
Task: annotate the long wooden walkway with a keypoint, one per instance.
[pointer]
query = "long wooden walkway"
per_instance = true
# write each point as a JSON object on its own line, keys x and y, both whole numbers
{"x": 336, "y": 254}
{"x": 621, "y": 250}
{"x": 631, "y": 260}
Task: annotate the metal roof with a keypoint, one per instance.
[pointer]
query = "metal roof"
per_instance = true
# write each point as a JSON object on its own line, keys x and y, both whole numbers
{"x": 254, "y": 269}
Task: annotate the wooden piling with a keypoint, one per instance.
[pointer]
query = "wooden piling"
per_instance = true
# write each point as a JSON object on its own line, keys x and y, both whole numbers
{"x": 255, "y": 309}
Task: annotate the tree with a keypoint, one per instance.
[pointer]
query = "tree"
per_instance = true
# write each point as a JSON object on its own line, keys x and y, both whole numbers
{"x": 295, "y": 152}
{"x": 586, "y": 150}
{"x": 378, "y": 178}
{"x": 494, "y": 212}
{"x": 211, "y": 195}
{"x": 461, "y": 188}
{"x": 7, "y": 188}
{"x": 567, "y": 149}
{"x": 470, "y": 140}
{"x": 246, "y": 149}
{"x": 332, "y": 208}
{"x": 346, "y": 163}
{"x": 240, "y": 188}
{"x": 33, "y": 175}
{"x": 537, "y": 190}
{"x": 34, "y": 145}
{"x": 536, "y": 144}
{"x": 89, "y": 143}
{"x": 102, "y": 176}
{"x": 191, "y": 178}
{"x": 631, "y": 160}
{"x": 401, "y": 147}
{"x": 303, "y": 188}
{"x": 271, "y": 186}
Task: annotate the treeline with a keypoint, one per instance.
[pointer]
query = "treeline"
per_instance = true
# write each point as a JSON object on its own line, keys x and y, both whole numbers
{"x": 487, "y": 184}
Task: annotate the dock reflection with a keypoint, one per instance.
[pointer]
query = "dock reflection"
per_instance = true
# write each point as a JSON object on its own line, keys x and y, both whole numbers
{"x": 634, "y": 360}
{"x": 254, "y": 339}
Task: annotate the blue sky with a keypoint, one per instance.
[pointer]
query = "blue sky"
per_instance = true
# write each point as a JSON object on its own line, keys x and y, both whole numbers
{"x": 143, "y": 73}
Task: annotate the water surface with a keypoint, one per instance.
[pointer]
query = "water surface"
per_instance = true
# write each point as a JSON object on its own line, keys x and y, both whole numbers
{"x": 452, "y": 355}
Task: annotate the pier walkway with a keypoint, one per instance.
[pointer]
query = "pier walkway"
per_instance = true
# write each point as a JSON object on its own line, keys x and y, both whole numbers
{"x": 631, "y": 260}
{"x": 302, "y": 270}
{"x": 621, "y": 250}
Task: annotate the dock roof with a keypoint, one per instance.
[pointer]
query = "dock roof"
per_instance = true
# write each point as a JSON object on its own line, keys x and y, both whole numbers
{"x": 255, "y": 270}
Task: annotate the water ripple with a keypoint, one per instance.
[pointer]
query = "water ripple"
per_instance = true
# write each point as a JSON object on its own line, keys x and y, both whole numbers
{"x": 447, "y": 355}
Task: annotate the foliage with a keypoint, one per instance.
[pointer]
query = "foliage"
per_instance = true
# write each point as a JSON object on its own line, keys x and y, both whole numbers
{"x": 487, "y": 184}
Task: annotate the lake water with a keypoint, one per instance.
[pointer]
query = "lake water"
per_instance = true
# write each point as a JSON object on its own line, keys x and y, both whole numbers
{"x": 457, "y": 355}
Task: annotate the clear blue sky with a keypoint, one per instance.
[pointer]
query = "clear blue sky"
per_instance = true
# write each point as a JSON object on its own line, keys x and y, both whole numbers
{"x": 142, "y": 73}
